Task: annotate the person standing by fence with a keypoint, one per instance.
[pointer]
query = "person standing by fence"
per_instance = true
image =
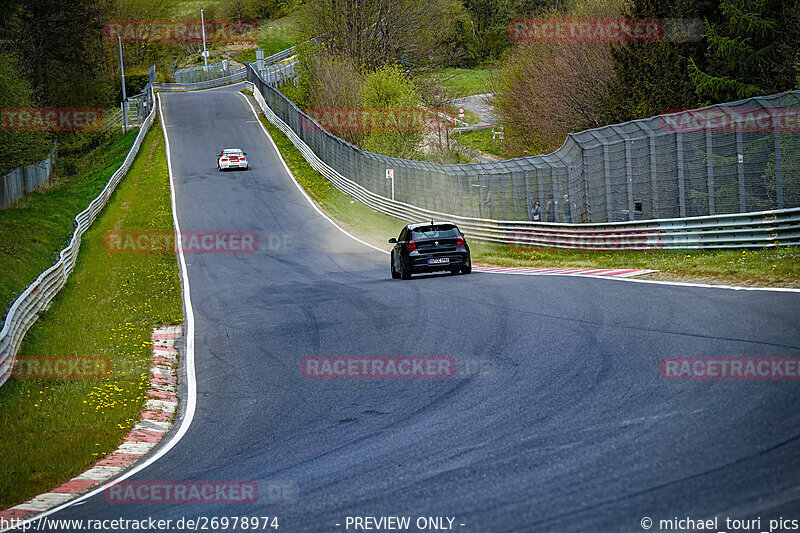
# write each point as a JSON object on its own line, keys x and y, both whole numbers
{"x": 536, "y": 214}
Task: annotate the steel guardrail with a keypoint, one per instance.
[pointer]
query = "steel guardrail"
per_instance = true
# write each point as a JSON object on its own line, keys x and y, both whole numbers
{"x": 236, "y": 77}
{"x": 37, "y": 297}
{"x": 738, "y": 230}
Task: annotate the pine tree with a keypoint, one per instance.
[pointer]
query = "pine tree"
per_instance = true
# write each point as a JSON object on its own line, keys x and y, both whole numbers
{"x": 652, "y": 77}
{"x": 749, "y": 50}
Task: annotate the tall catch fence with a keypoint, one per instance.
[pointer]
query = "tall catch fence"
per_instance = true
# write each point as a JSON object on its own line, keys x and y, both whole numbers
{"x": 740, "y": 157}
{"x": 204, "y": 73}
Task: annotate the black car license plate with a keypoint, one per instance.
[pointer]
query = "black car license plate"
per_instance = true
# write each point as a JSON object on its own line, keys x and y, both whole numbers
{"x": 439, "y": 261}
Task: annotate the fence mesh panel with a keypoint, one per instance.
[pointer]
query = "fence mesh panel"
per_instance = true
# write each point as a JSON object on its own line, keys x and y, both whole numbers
{"x": 723, "y": 159}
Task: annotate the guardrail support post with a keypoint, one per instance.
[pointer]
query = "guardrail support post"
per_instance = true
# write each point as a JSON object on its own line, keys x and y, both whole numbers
{"x": 681, "y": 185}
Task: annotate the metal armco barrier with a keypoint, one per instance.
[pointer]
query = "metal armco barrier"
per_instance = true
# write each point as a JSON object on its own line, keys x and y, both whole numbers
{"x": 37, "y": 297}
{"x": 236, "y": 77}
{"x": 748, "y": 230}
{"x": 280, "y": 56}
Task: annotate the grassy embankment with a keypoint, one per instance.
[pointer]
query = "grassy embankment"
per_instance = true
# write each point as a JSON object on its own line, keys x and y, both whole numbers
{"x": 274, "y": 36}
{"x": 54, "y": 429}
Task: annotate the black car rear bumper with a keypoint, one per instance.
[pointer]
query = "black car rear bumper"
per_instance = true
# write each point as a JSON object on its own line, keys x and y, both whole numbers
{"x": 420, "y": 263}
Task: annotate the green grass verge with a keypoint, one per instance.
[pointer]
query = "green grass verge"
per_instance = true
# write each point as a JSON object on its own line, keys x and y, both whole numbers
{"x": 765, "y": 267}
{"x": 279, "y": 34}
{"x": 52, "y": 430}
{"x": 190, "y": 9}
{"x": 481, "y": 140}
{"x": 352, "y": 214}
{"x": 274, "y": 36}
{"x": 37, "y": 226}
{"x": 458, "y": 82}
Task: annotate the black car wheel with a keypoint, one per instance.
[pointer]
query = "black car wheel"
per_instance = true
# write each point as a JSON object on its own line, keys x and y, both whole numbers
{"x": 395, "y": 275}
{"x": 404, "y": 274}
{"x": 467, "y": 268}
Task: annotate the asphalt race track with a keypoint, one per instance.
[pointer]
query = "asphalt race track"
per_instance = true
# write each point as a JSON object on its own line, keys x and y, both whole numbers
{"x": 573, "y": 430}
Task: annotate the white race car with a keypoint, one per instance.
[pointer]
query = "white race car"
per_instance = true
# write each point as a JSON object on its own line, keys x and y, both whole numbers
{"x": 231, "y": 158}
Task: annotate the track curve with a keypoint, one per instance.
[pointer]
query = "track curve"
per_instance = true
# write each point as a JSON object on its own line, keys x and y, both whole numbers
{"x": 574, "y": 431}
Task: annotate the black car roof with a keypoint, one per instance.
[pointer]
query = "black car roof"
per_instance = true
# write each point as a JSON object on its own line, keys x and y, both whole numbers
{"x": 423, "y": 224}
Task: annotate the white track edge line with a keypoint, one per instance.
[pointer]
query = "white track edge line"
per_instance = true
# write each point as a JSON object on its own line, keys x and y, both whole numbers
{"x": 190, "y": 369}
{"x": 299, "y": 188}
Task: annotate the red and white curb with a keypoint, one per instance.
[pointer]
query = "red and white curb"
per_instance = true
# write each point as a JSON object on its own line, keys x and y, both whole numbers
{"x": 594, "y": 272}
{"x": 154, "y": 423}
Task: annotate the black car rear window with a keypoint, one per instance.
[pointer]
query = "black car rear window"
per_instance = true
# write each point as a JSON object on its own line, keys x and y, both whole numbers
{"x": 440, "y": 231}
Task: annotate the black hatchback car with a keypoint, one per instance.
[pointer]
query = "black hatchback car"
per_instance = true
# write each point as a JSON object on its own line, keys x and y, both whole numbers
{"x": 430, "y": 247}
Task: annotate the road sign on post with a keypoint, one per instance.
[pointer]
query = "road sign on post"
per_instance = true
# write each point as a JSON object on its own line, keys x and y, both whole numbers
{"x": 436, "y": 94}
{"x": 390, "y": 176}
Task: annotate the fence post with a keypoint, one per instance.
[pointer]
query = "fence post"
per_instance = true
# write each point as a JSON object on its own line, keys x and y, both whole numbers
{"x": 778, "y": 168}
{"x": 555, "y": 189}
{"x": 681, "y": 186}
{"x": 629, "y": 178}
{"x": 653, "y": 173}
{"x": 712, "y": 206}
{"x": 740, "y": 168}
{"x": 526, "y": 173}
{"x": 540, "y": 192}
{"x": 607, "y": 178}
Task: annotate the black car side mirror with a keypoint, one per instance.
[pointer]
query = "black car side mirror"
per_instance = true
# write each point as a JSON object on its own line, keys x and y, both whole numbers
{"x": 244, "y": 153}
{"x": 393, "y": 241}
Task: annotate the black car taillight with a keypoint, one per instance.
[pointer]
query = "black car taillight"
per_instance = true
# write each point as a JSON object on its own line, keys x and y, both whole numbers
{"x": 411, "y": 246}
{"x": 459, "y": 242}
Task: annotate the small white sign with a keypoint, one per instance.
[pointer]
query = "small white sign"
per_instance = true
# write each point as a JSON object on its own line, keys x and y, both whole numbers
{"x": 389, "y": 173}
{"x": 741, "y": 158}
{"x": 461, "y": 111}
